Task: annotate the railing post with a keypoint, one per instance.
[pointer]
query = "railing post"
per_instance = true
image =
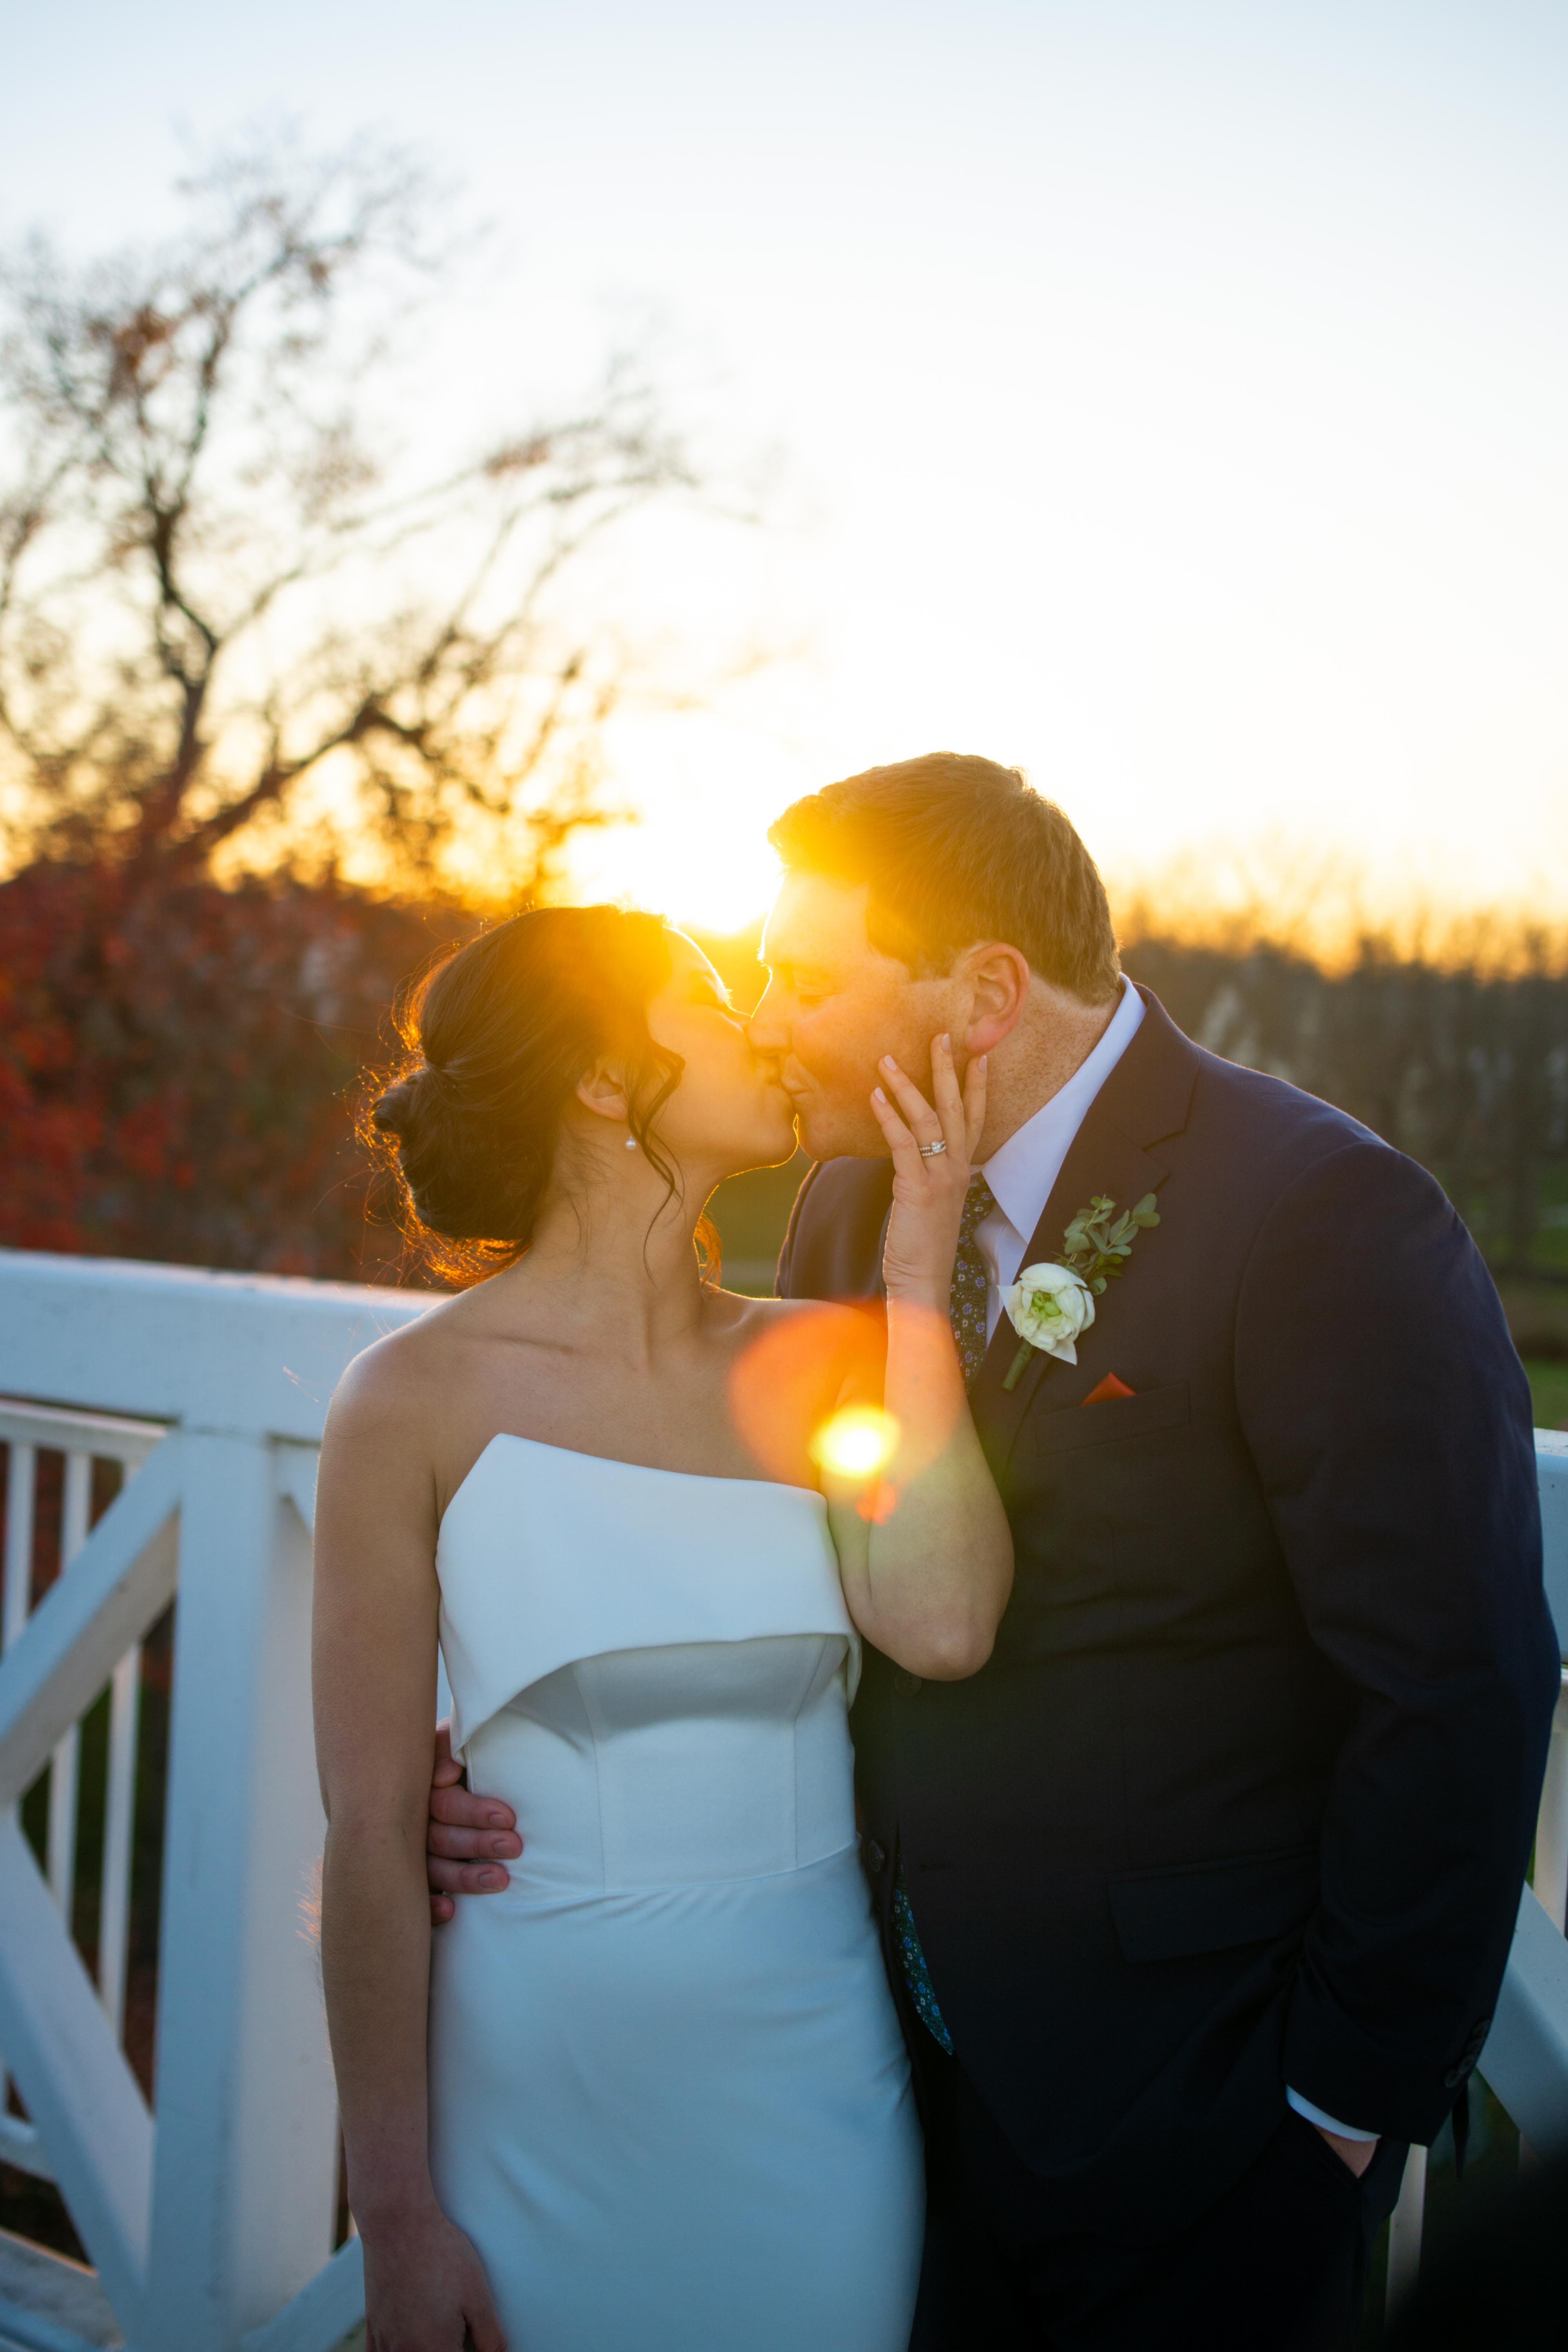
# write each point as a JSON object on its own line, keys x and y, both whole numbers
{"x": 1551, "y": 1880}
{"x": 247, "y": 2134}
{"x": 16, "y": 2138}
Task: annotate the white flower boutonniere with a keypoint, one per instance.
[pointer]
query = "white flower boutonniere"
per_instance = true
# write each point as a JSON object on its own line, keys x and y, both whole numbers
{"x": 1048, "y": 1306}
{"x": 1051, "y": 1303}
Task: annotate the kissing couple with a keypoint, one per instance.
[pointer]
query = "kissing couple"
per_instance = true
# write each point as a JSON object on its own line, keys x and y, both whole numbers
{"x": 1125, "y": 1516}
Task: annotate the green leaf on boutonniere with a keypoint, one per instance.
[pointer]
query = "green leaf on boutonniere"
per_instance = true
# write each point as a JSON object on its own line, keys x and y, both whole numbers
{"x": 1097, "y": 1243}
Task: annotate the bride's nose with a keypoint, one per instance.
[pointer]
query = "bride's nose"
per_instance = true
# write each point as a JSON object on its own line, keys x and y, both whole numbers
{"x": 766, "y": 1032}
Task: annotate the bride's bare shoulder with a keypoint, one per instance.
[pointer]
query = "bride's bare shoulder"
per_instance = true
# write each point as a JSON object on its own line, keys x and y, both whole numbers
{"x": 397, "y": 1379}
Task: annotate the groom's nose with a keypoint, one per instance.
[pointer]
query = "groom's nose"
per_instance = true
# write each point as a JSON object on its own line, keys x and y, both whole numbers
{"x": 768, "y": 1030}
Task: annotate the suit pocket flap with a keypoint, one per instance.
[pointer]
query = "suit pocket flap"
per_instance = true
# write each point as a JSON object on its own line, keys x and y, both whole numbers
{"x": 1117, "y": 1417}
{"x": 1207, "y": 1906}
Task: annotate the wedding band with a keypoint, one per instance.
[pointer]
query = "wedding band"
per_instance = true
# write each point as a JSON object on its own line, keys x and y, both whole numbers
{"x": 931, "y": 1150}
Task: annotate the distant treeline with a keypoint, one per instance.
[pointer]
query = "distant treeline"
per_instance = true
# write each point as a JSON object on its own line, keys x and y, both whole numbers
{"x": 1462, "y": 1066}
{"x": 178, "y": 1064}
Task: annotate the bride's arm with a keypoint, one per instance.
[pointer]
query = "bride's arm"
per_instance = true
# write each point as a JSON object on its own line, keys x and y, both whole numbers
{"x": 925, "y": 1549}
{"x": 374, "y": 1680}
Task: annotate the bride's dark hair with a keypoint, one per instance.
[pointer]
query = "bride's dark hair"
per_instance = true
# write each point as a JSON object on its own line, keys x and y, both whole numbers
{"x": 497, "y": 1036}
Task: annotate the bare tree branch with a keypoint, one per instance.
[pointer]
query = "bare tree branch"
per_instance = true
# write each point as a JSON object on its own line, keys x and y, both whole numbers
{"x": 213, "y": 586}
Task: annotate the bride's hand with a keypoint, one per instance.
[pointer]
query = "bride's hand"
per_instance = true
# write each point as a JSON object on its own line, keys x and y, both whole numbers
{"x": 426, "y": 2289}
{"x": 927, "y": 1191}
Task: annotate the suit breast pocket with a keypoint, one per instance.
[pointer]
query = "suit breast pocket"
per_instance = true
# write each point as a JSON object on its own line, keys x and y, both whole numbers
{"x": 1112, "y": 1423}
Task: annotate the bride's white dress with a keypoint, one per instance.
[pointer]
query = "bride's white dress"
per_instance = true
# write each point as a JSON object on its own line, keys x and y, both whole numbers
{"x": 669, "y": 2101}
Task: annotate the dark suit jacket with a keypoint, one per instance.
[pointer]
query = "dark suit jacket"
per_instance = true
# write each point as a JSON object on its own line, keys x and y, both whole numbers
{"x": 1245, "y": 1795}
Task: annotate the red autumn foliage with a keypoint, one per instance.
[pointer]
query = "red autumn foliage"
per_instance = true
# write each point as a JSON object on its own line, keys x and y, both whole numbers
{"x": 177, "y": 1064}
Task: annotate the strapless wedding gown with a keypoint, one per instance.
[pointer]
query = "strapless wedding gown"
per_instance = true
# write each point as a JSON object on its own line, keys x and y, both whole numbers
{"x": 669, "y": 2101}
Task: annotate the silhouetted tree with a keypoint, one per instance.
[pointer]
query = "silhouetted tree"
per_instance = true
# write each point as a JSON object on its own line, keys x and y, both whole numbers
{"x": 243, "y": 650}
{"x": 216, "y": 590}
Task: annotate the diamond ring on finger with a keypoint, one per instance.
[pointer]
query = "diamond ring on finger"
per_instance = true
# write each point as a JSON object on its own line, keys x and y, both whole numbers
{"x": 931, "y": 1150}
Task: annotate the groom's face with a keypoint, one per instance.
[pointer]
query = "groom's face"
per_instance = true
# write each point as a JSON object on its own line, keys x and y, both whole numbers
{"x": 834, "y": 1004}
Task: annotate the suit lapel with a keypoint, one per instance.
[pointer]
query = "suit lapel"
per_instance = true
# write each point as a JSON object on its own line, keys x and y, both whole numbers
{"x": 1100, "y": 1161}
{"x": 1142, "y": 1101}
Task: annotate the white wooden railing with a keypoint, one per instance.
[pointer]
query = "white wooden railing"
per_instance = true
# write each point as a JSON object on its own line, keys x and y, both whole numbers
{"x": 1525, "y": 2060}
{"x": 209, "y": 2212}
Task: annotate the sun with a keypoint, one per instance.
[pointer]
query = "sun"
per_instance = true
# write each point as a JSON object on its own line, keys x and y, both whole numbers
{"x": 703, "y": 797}
{"x": 710, "y": 883}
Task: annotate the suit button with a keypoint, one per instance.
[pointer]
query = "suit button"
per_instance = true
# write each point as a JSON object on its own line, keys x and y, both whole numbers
{"x": 876, "y": 1856}
{"x": 906, "y": 1683}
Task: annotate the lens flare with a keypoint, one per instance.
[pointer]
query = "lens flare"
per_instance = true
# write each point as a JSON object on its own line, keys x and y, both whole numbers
{"x": 856, "y": 1443}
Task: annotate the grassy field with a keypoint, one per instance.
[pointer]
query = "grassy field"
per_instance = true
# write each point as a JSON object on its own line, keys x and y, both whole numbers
{"x": 1549, "y": 1387}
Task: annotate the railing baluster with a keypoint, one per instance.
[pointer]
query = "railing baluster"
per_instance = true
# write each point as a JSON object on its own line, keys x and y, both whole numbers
{"x": 66, "y": 1755}
{"x": 62, "y": 1819}
{"x": 119, "y": 1814}
{"x": 19, "y": 1490}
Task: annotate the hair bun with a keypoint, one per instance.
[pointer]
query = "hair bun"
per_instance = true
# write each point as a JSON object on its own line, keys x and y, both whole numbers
{"x": 400, "y": 1106}
{"x": 499, "y": 1034}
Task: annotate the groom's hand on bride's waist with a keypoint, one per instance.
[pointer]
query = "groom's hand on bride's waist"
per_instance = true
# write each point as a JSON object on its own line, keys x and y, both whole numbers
{"x": 470, "y": 1839}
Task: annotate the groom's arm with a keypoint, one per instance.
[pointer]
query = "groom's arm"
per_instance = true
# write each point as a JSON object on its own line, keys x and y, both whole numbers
{"x": 832, "y": 1248}
{"x": 1389, "y": 1419}
{"x": 800, "y": 1213}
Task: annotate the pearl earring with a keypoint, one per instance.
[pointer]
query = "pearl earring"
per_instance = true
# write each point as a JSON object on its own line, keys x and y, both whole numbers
{"x": 631, "y": 1143}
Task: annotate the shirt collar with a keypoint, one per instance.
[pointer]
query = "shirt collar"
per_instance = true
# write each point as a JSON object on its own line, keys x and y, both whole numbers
{"x": 1022, "y": 1173}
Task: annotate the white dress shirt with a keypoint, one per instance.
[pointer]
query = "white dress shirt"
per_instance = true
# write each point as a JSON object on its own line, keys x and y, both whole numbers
{"x": 1022, "y": 1175}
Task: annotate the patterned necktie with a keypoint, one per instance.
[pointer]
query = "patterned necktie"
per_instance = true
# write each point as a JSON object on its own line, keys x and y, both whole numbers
{"x": 967, "y": 1300}
{"x": 967, "y": 1309}
{"x": 914, "y": 1967}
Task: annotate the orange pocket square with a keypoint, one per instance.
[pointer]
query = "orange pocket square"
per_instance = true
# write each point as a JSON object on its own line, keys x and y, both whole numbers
{"x": 1104, "y": 1390}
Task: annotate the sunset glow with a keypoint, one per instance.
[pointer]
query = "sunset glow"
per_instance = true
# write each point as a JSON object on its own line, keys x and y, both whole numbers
{"x": 856, "y": 1443}
{"x": 1192, "y": 437}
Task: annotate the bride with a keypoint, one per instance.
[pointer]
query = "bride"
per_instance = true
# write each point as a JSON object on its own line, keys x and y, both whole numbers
{"x": 654, "y": 2094}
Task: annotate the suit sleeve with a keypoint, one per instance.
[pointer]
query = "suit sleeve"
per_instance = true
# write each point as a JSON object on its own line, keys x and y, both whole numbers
{"x": 1389, "y": 1419}
{"x": 784, "y": 1276}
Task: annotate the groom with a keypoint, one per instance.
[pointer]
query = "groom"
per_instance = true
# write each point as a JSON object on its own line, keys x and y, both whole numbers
{"x": 1199, "y": 1894}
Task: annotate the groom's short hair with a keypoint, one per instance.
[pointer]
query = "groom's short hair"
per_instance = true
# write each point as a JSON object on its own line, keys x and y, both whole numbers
{"x": 955, "y": 850}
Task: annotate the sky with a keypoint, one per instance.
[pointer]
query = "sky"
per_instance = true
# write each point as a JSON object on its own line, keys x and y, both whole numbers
{"x": 1168, "y": 398}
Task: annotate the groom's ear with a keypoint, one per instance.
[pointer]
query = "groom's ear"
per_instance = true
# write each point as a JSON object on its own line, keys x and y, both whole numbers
{"x": 995, "y": 978}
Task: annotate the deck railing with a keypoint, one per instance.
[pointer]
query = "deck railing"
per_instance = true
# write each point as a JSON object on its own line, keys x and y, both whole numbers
{"x": 158, "y": 1431}
{"x": 161, "y": 1449}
